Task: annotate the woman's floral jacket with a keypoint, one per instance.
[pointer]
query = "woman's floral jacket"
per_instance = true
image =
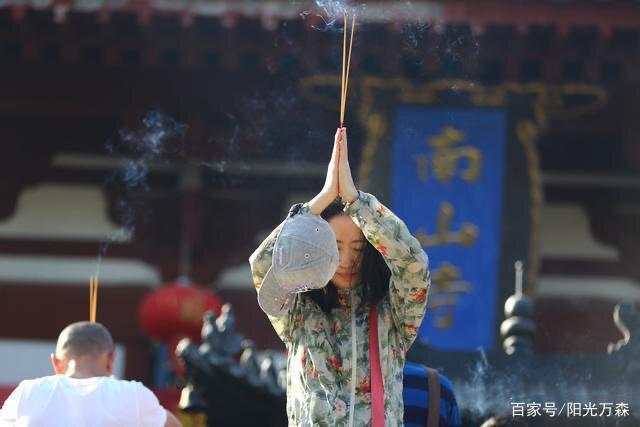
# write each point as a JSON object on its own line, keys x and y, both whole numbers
{"x": 328, "y": 374}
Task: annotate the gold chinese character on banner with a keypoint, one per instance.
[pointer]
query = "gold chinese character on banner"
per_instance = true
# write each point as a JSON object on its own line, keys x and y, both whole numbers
{"x": 466, "y": 236}
{"x": 444, "y": 293}
{"x": 446, "y": 158}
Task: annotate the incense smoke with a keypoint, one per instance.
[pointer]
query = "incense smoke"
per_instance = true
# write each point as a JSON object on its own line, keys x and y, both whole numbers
{"x": 486, "y": 390}
{"x": 456, "y": 46}
{"x": 332, "y": 12}
{"x": 158, "y": 137}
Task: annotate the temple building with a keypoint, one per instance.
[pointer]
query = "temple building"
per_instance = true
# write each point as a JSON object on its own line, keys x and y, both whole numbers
{"x": 156, "y": 142}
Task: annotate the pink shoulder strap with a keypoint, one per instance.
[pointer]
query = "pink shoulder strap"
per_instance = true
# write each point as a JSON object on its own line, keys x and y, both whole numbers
{"x": 377, "y": 386}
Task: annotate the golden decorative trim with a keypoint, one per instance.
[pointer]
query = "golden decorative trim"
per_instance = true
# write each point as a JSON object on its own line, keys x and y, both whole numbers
{"x": 527, "y": 132}
{"x": 308, "y": 85}
{"x": 547, "y": 101}
{"x": 600, "y": 96}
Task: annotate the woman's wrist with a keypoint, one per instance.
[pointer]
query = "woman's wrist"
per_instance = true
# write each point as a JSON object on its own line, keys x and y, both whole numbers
{"x": 350, "y": 198}
{"x": 320, "y": 202}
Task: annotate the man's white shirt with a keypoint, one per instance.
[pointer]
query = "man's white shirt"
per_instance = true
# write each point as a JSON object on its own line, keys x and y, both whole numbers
{"x": 60, "y": 401}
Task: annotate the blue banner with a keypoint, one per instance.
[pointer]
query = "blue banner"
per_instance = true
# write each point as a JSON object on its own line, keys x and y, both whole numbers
{"x": 447, "y": 169}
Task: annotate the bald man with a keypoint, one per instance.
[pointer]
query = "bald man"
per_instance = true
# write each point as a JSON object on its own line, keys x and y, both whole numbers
{"x": 83, "y": 392}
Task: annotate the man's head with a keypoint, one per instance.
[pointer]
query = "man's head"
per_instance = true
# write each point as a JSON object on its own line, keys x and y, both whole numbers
{"x": 84, "y": 349}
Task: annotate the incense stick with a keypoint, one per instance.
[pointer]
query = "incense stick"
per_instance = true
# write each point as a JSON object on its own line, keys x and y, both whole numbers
{"x": 346, "y": 81}
{"x": 93, "y": 298}
{"x": 346, "y": 64}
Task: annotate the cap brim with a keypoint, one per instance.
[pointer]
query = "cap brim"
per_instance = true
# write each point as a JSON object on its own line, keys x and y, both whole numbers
{"x": 273, "y": 300}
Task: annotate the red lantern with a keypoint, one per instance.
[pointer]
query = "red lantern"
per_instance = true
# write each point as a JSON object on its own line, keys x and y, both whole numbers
{"x": 176, "y": 309}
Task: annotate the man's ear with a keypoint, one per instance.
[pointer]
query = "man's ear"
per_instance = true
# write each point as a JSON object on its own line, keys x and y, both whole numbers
{"x": 111, "y": 357}
{"x": 58, "y": 365}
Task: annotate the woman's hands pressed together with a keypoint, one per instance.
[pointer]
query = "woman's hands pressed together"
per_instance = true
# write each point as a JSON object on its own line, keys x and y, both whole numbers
{"x": 338, "y": 181}
{"x": 346, "y": 187}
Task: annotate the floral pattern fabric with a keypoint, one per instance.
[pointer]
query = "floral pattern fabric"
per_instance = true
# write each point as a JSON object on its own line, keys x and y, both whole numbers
{"x": 319, "y": 345}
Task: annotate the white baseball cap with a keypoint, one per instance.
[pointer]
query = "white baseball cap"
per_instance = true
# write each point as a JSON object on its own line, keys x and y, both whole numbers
{"x": 305, "y": 257}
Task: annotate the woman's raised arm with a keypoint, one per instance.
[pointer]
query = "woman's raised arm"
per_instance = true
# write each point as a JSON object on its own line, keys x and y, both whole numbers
{"x": 401, "y": 251}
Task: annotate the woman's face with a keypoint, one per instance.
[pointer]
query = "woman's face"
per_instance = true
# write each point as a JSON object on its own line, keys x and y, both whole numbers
{"x": 351, "y": 244}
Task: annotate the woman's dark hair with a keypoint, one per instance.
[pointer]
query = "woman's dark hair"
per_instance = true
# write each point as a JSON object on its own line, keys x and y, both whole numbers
{"x": 374, "y": 278}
